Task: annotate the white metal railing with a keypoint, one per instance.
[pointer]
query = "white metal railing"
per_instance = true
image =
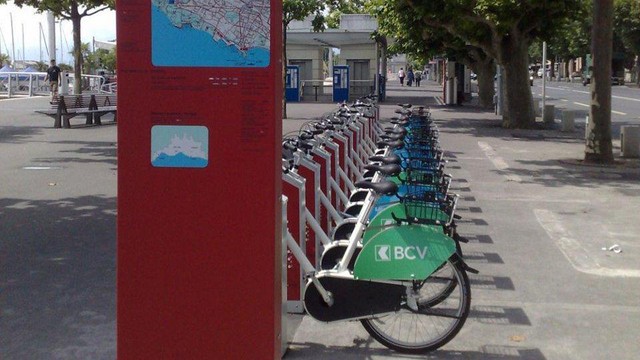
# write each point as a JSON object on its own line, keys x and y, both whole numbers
{"x": 17, "y": 83}
{"x": 110, "y": 88}
{"x": 23, "y": 83}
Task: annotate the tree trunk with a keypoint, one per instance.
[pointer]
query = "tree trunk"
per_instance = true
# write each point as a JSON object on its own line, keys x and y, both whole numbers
{"x": 518, "y": 109}
{"x": 486, "y": 72}
{"x": 77, "y": 49}
{"x": 598, "y": 142}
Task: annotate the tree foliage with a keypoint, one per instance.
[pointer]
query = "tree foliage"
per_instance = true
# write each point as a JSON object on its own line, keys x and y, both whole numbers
{"x": 422, "y": 43}
{"x": 503, "y": 29}
{"x": 73, "y": 10}
{"x": 627, "y": 23}
{"x": 4, "y": 59}
{"x": 300, "y": 9}
{"x": 337, "y": 8}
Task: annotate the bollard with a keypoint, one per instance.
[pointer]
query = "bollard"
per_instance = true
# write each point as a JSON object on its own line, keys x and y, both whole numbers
{"x": 548, "y": 115}
{"x": 568, "y": 120}
{"x": 630, "y": 141}
{"x": 10, "y": 86}
{"x": 586, "y": 127}
{"x": 536, "y": 107}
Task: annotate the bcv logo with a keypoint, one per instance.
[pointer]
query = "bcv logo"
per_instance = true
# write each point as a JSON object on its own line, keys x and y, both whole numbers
{"x": 389, "y": 253}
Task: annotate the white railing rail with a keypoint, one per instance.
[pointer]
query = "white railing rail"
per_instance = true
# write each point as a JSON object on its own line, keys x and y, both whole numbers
{"x": 15, "y": 83}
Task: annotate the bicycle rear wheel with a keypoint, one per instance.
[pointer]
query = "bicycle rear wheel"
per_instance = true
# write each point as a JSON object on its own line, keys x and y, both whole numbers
{"x": 424, "y": 324}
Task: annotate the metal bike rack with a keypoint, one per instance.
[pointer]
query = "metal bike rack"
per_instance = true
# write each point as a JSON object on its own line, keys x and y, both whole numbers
{"x": 285, "y": 338}
{"x": 311, "y": 171}
{"x": 323, "y": 159}
{"x": 293, "y": 188}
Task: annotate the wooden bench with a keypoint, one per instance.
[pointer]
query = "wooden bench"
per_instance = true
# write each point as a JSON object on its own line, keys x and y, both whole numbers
{"x": 93, "y": 106}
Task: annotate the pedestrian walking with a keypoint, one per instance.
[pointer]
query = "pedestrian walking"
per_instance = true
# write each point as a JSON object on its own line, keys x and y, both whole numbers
{"x": 401, "y": 76}
{"x": 418, "y": 78}
{"x": 53, "y": 76}
{"x": 410, "y": 77}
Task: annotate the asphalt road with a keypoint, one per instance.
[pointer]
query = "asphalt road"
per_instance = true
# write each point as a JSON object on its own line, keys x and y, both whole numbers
{"x": 625, "y": 101}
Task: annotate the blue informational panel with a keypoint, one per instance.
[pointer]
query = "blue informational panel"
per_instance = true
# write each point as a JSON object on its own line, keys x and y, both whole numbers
{"x": 292, "y": 83}
{"x": 340, "y": 83}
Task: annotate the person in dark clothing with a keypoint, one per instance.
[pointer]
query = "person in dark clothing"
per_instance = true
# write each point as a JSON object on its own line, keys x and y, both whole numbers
{"x": 410, "y": 77}
{"x": 418, "y": 76}
{"x": 53, "y": 75}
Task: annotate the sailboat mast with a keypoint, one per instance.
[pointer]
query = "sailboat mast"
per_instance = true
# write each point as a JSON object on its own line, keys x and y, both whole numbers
{"x": 13, "y": 42}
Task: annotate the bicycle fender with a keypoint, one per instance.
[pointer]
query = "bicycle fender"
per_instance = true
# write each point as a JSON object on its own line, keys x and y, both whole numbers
{"x": 384, "y": 219}
{"x": 409, "y": 252}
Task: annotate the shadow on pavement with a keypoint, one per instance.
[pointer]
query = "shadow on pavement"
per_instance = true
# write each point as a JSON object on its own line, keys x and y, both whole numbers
{"x": 560, "y": 173}
{"x": 100, "y": 152}
{"x": 17, "y": 134}
{"x": 487, "y": 352}
{"x": 58, "y": 278}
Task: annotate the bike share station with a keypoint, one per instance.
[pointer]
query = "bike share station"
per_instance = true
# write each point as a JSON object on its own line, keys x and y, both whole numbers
{"x": 199, "y": 190}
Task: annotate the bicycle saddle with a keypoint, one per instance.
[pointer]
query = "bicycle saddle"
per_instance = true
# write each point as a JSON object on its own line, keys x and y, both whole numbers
{"x": 398, "y": 130}
{"x": 391, "y": 159}
{"x": 387, "y": 170}
{"x": 400, "y": 122}
{"x": 380, "y": 188}
{"x": 392, "y": 137}
{"x": 391, "y": 144}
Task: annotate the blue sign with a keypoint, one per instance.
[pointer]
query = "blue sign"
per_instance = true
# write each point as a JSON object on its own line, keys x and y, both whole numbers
{"x": 179, "y": 146}
{"x": 292, "y": 83}
{"x": 340, "y": 83}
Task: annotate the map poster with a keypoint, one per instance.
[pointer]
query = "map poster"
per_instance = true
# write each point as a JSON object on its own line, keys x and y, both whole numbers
{"x": 210, "y": 33}
{"x": 180, "y": 146}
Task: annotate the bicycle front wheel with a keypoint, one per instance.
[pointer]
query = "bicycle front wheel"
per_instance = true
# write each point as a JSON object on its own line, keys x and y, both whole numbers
{"x": 423, "y": 324}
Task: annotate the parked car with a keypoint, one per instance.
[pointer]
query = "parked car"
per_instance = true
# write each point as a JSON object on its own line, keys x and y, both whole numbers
{"x": 614, "y": 80}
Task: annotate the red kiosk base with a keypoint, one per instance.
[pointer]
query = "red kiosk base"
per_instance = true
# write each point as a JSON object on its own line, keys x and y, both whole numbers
{"x": 199, "y": 235}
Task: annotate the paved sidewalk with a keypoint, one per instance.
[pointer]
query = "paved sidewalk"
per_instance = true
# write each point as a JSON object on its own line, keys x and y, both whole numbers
{"x": 537, "y": 221}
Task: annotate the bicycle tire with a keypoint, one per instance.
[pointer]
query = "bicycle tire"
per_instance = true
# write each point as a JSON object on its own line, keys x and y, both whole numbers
{"x": 438, "y": 324}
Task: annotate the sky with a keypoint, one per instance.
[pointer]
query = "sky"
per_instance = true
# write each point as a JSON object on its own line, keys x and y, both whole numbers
{"x": 102, "y": 26}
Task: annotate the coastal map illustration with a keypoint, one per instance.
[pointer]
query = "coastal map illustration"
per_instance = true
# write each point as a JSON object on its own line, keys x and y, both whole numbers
{"x": 211, "y": 33}
{"x": 179, "y": 146}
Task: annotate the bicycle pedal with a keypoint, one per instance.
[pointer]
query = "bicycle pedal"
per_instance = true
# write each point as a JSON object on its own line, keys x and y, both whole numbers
{"x": 457, "y": 217}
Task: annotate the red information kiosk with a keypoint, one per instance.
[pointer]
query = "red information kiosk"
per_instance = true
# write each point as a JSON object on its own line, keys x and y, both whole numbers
{"x": 199, "y": 129}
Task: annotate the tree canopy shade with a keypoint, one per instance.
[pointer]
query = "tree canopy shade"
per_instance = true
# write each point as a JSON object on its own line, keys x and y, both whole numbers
{"x": 626, "y": 20}
{"x": 503, "y": 29}
{"x": 73, "y": 10}
{"x": 424, "y": 42}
